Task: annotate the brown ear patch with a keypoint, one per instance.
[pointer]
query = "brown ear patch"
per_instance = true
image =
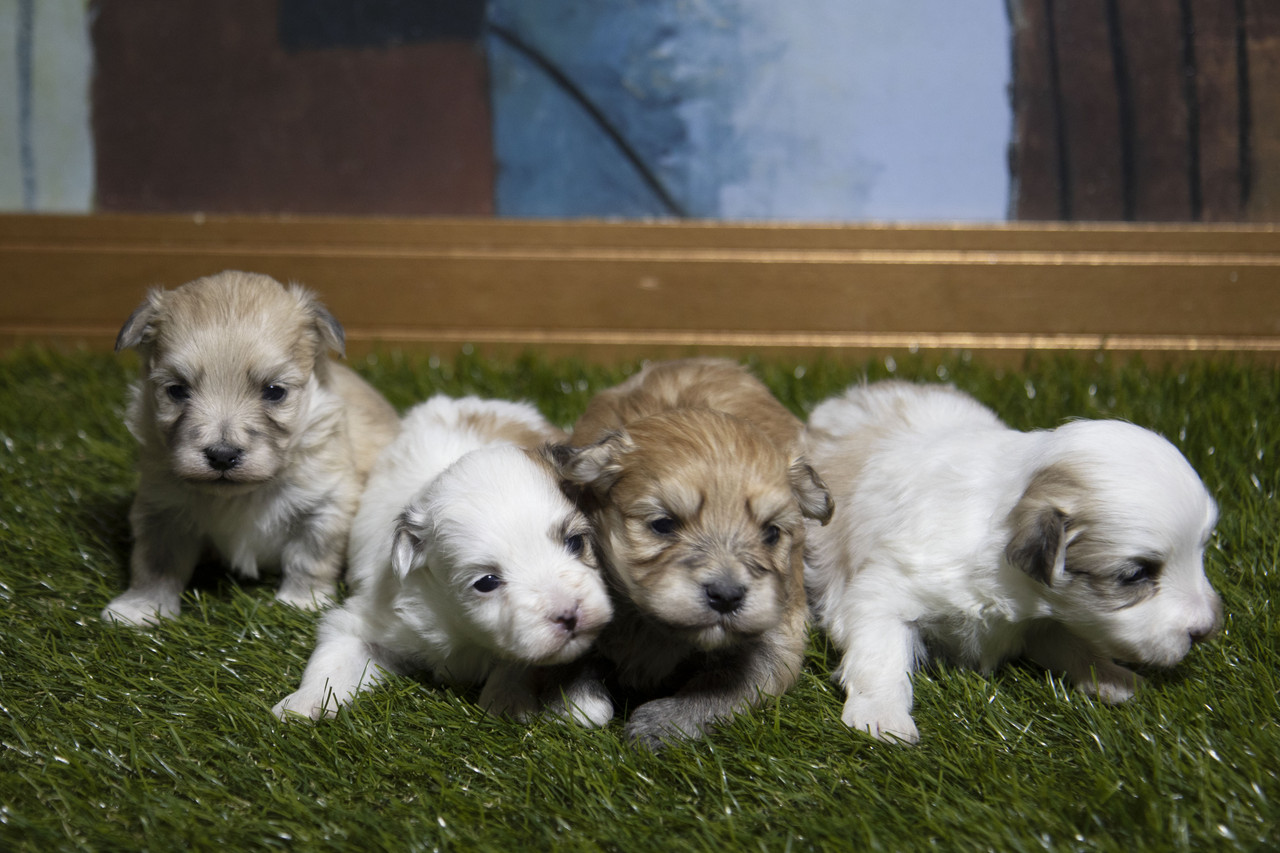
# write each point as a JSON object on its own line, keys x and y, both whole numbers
{"x": 811, "y": 492}
{"x": 596, "y": 466}
{"x": 1039, "y": 523}
{"x": 140, "y": 328}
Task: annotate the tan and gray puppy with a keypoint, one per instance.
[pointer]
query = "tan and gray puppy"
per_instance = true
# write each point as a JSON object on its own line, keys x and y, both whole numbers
{"x": 695, "y": 480}
{"x": 251, "y": 440}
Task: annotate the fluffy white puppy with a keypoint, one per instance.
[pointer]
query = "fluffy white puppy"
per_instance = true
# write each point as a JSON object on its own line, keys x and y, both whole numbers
{"x": 467, "y": 561}
{"x": 1075, "y": 547}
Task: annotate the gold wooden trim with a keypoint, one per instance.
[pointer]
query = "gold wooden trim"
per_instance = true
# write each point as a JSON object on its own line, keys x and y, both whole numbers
{"x": 602, "y": 289}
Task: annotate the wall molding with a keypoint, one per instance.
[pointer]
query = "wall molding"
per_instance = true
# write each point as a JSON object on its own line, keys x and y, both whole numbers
{"x": 604, "y": 290}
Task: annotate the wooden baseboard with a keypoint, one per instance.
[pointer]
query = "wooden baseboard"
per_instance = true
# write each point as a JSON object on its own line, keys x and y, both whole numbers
{"x": 605, "y": 290}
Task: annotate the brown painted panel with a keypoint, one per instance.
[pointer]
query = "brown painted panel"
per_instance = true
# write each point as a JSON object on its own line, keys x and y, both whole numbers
{"x": 1151, "y": 38}
{"x": 198, "y": 107}
{"x": 1262, "y": 19}
{"x": 1035, "y": 154}
{"x": 1091, "y": 110}
{"x": 1217, "y": 85}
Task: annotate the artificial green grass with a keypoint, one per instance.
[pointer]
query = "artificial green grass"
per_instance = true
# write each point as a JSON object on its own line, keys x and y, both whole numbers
{"x": 112, "y": 738}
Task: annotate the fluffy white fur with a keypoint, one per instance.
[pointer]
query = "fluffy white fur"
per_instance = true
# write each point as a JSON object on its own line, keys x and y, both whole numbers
{"x": 467, "y": 561}
{"x": 1075, "y": 547}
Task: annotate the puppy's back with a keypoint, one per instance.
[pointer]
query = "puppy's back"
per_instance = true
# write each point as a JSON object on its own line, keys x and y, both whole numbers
{"x": 371, "y": 421}
{"x": 899, "y": 407}
{"x": 693, "y": 383}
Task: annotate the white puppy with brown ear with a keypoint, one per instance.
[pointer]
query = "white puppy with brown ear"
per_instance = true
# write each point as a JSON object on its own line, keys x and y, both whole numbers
{"x": 250, "y": 440}
{"x": 468, "y": 562}
{"x": 1076, "y": 547}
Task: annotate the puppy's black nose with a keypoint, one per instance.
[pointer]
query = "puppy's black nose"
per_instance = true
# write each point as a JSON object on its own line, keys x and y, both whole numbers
{"x": 222, "y": 457}
{"x": 724, "y": 596}
{"x": 568, "y": 620}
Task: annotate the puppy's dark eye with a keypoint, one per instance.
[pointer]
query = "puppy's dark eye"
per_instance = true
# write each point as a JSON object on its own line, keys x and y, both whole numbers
{"x": 772, "y": 533}
{"x": 575, "y": 543}
{"x": 178, "y": 392}
{"x": 1140, "y": 569}
{"x": 665, "y": 526}
{"x": 488, "y": 583}
{"x": 274, "y": 393}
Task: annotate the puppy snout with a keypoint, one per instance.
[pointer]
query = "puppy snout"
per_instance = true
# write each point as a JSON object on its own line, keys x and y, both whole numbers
{"x": 567, "y": 619}
{"x": 1200, "y": 633}
{"x": 724, "y": 596}
{"x": 223, "y": 457}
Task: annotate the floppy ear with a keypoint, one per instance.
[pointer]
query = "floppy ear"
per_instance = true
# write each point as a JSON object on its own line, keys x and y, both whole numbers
{"x": 596, "y": 466}
{"x": 815, "y": 500}
{"x": 327, "y": 326}
{"x": 407, "y": 544}
{"x": 140, "y": 328}
{"x": 1040, "y": 526}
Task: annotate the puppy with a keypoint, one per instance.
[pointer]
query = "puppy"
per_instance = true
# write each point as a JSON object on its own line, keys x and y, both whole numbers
{"x": 695, "y": 482}
{"x": 1074, "y": 547}
{"x": 467, "y": 561}
{"x": 251, "y": 440}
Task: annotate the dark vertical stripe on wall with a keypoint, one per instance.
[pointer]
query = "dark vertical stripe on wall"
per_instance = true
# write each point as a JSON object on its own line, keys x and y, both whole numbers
{"x": 1059, "y": 115}
{"x": 1124, "y": 103}
{"x": 1190, "y": 94}
{"x": 1245, "y": 110}
{"x": 573, "y": 91}
{"x": 26, "y": 148}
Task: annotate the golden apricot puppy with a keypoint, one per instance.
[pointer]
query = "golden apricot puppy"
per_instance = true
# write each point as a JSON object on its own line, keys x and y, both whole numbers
{"x": 251, "y": 440}
{"x": 695, "y": 481}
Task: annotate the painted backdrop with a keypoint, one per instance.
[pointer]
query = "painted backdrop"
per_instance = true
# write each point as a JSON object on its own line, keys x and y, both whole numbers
{"x": 812, "y": 110}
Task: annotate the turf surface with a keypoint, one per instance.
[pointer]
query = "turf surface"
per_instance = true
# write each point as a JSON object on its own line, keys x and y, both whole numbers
{"x": 112, "y": 738}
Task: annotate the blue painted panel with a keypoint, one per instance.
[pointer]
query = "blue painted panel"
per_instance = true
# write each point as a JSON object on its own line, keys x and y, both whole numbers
{"x": 752, "y": 109}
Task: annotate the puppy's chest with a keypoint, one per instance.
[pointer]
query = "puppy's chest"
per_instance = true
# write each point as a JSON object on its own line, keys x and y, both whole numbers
{"x": 980, "y": 638}
{"x": 647, "y": 656}
{"x": 252, "y": 534}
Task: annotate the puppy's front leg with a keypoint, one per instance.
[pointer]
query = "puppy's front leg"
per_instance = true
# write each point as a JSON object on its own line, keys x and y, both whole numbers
{"x": 737, "y": 681}
{"x": 880, "y": 655}
{"x": 510, "y": 691}
{"x": 1058, "y": 650}
{"x": 342, "y": 665}
{"x": 576, "y": 692}
{"x": 164, "y": 556}
{"x": 311, "y": 562}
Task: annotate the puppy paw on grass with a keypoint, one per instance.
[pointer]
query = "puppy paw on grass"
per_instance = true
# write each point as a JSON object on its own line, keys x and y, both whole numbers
{"x": 586, "y": 705}
{"x": 139, "y": 610}
{"x": 881, "y": 720}
{"x": 307, "y": 599}
{"x": 661, "y": 722}
{"x": 1111, "y": 683}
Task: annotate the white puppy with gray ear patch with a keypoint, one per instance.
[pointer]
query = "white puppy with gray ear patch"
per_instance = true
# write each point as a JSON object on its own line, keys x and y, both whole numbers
{"x": 1075, "y": 547}
{"x": 469, "y": 562}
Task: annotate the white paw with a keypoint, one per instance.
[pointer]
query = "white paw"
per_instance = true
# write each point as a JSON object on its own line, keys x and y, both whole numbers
{"x": 591, "y": 711}
{"x": 305, "y": 599}
{"x": 1111, "y": 683}
{"x": 302, "y": 705}
{"x": 883, "y": 720}
{"x": 140, "y": 609}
